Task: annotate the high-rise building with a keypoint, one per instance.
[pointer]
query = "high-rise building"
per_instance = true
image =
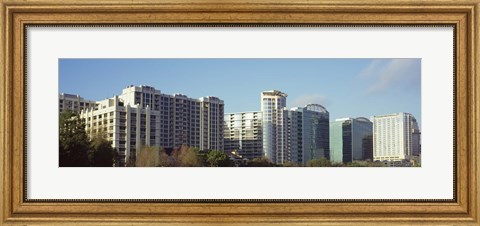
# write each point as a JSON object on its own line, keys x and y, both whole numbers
{"x": 308, "y": 134}
{"x": 243, "y": 134}
{"x": 316, "y": 132}
{"x": 142, "y": 115}
{"x": 351, "y": 140}
{"x": 274, "y": 123}
{"x": 297, "y": 135}
{"x": 74, "y": 103}
{"x": 393, "y": 137}
{"x": 295, "y": 132}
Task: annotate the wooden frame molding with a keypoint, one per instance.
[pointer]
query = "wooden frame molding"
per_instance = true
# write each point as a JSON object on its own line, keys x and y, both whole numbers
{"x": 16, "y": 14}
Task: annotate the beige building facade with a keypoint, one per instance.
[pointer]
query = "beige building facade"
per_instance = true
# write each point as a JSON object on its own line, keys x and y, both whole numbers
{"x": 142, "y": 115}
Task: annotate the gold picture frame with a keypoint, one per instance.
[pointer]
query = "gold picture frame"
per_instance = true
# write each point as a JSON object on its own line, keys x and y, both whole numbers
{"x": 16, "y": 14}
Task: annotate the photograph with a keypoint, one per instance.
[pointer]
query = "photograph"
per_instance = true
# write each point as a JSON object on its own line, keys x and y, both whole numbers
{"x": 169, "y": 112}
{"x": 239, "y": 112}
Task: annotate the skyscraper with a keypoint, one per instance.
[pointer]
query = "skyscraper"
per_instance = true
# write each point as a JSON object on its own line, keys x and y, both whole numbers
{"x": 297, "y": 135}
{"x": 274, "y": 123}
{"x": 350, "y": 140}
{"x": 308, "y": 134}
{"x": 393, "y": 137}
{"x": 316, "y": 132}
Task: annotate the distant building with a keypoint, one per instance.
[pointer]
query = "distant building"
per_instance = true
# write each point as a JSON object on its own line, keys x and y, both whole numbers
{"x": 74, "y": 103}
{"x": 243, "y": 134}
{"x": 396, "y": 137}
{"x": 351, "y": 140}
{"x": 142, "y": 115}
{"x": 416, "y": 142}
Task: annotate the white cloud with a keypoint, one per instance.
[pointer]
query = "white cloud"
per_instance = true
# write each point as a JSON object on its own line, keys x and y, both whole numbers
{"x": 386, "y": 74}
{"x": 371, "y": 69}
{"x": 301, "y": 101}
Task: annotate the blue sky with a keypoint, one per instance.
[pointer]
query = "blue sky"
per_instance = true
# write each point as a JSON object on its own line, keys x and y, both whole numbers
{"x": 346, "y": 87}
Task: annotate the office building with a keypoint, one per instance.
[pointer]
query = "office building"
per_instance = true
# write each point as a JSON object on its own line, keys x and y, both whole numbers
{"x": 297, "y": 135}
{"x": 274, "y": 125}
{"x": 243, "y": 134}
{"x": 416, "y": 146}
{"x": 142, "y": 115}
{"x": 395, "y": 137}
{"x": 295, "y": 132}
{"x": 308, "y": 134}
{"x": 74, "y": 103}
{"x": 351, "y": 140}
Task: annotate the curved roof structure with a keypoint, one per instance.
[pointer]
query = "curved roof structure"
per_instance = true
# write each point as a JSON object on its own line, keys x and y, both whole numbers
{"x": 362, "y": 119}
{"x": 316, "y": 107}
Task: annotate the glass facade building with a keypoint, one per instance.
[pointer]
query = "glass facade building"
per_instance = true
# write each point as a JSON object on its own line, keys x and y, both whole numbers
{"x": 308, "y": 134}
{"x": 316, "y": 132}
{"x": 351, "y": 140}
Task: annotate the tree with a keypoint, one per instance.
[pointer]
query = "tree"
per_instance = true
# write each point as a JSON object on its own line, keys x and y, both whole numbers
{"x": 291, "y": 164}
{"x": 322, "y": 162}
{"x": 162, "y": 157}
{"x": 130, "y": 162}
{"x": 218, "y": 159}
{"x": 365, "y": 164}
{"x": 151, "y": 157}
{"x": 185, "y": 157}
{"x": 73, "y": 141}
{"x": 260, "y": 162}
{"x": 101, "y": 152}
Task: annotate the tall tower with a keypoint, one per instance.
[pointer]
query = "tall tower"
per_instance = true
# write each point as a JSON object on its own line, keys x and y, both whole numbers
{"x": 274, "y": 122}
{"x": 316, "y": 132}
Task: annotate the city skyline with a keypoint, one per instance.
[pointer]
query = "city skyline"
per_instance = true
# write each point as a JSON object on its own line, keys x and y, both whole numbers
{"x": 378, "y": 86}
{"x": 142, "y": 117}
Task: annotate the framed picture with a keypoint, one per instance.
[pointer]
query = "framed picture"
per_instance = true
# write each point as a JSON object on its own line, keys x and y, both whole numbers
{"x": 244, "y": 112}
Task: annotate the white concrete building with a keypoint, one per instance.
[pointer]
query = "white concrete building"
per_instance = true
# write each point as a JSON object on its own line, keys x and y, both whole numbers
{"x": 142, "y": 115}
{"x": 243, "y": 134}
{"x": 73, "y": 102}
{"x": 274, "y": 123}
{"x": 393, "y": 138}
